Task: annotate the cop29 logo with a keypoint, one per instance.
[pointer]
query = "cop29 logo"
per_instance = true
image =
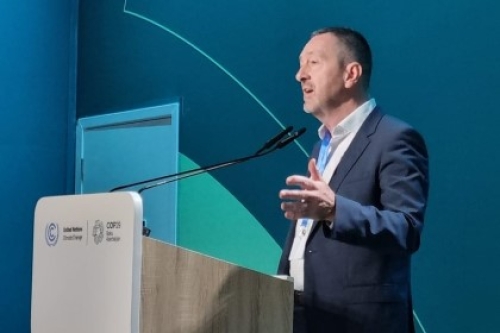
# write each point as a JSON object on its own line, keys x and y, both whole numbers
{"x": 98, "y": 232}
{"x": 51, "y": 233}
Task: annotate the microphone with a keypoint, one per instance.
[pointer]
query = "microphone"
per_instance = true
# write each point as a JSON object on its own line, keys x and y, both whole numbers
{"x": 277, "y": 142}
{"x": 189, "y": 173}
{"x": 290, "y": 138}
{"x": 274, "y": 140}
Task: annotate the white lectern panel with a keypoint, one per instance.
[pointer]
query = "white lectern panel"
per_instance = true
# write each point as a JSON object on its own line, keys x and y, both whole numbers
{"x": 87, "y": 263}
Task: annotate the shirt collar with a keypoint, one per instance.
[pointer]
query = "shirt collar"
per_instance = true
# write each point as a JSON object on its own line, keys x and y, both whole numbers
{"x": 352, "y": 123}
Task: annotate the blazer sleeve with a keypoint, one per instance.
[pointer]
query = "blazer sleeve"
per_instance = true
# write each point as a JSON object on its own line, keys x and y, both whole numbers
{"x": 394, "y": 220}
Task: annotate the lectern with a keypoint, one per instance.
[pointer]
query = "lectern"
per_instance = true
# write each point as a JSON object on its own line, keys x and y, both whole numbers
{"x": 94, "y": 272}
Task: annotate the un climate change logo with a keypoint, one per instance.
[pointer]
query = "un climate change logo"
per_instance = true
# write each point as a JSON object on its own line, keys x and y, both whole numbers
{"x": 51, "y": 233}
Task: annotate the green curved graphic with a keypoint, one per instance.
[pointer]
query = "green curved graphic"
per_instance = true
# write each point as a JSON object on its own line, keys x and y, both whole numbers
{"x": 212, "y": 221}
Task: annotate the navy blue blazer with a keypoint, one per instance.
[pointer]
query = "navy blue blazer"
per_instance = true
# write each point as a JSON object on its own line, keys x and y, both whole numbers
{"x": 357, "y": 274}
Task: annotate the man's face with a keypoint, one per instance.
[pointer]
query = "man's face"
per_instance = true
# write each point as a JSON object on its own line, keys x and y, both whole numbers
{"x": 320, "y": 74}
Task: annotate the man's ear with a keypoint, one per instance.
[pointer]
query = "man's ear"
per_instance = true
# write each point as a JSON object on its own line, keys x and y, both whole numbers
{"x": 352, "y": 74}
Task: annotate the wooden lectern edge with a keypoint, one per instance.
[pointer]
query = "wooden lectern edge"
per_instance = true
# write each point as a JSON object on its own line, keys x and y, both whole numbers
{"x": 186, "y": 291}
{"x": 276, "y": 276}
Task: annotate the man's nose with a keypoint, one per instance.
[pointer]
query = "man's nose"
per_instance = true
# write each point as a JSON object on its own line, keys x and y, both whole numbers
{"x": 301, "y": 74}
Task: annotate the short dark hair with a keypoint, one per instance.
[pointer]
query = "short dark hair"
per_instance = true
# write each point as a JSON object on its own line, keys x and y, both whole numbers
{"x": 357, "y": 49}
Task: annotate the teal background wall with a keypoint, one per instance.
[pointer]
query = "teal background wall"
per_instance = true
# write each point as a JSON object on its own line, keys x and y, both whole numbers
{"x": 37, "y": 90}
{"x": 436, "y": 66}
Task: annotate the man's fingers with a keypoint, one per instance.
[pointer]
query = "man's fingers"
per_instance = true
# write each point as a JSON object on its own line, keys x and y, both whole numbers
{"x": 313, "y": 169}
{"x": 302, "y": 181}
{"x": 304, "y": 202}
{"x": 296, "y": 195}
{"x": 295, "y": 210}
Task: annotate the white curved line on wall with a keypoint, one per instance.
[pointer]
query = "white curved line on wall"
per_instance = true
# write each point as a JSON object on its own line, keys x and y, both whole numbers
{"x": 213, "y": 61}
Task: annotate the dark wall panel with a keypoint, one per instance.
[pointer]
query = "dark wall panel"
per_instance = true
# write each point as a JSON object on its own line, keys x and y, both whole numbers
{"x": 35, "y": 61}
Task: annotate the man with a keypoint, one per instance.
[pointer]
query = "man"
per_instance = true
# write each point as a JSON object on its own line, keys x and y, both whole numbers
{"x": 359, "y": 215}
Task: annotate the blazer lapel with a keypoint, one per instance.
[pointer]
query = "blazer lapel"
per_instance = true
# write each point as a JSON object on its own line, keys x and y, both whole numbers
{"x": 356, "y": 148}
